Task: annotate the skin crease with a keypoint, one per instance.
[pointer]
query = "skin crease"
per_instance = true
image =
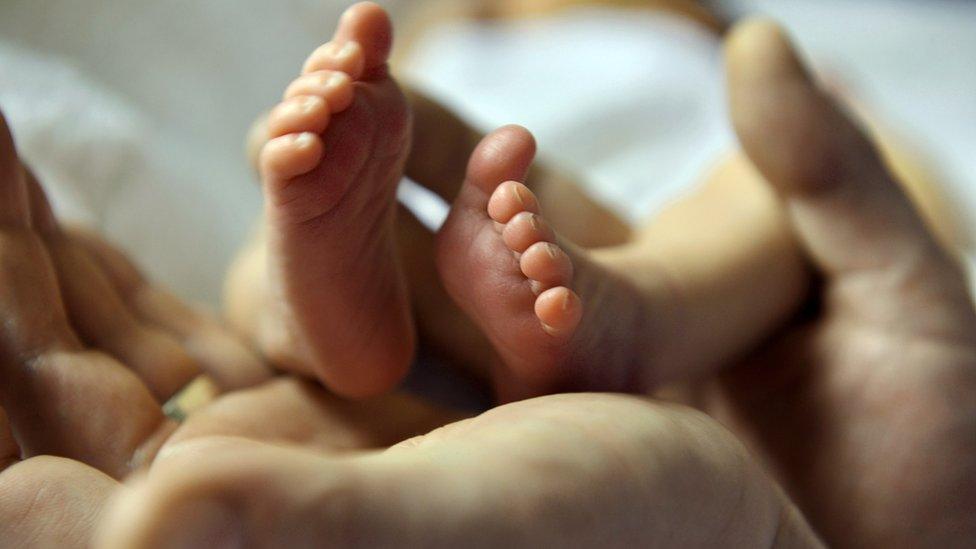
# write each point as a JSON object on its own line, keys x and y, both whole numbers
{"x": 158, "y": 507}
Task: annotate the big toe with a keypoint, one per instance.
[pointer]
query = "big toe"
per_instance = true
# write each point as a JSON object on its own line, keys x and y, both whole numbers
{"x": 360, "y": 46}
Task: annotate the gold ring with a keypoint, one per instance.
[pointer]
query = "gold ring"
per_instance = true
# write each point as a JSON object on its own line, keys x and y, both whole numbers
{"x": 192, "y": 397}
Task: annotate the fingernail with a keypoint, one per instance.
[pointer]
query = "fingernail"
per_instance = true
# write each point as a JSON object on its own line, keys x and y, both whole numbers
{"x": 552, "y": 249}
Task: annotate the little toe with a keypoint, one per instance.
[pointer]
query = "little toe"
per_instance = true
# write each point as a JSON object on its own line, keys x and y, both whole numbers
{"x": 347, "y": 57}
{"x": 304, "y": 113}
{"x": 334, "y": 87}
{"x": 525, "y": 229}
{"x": 559, "y": 310}
{"x": 291, "y": 155}
{"x": 509, "y": 199}
{"x": 547, "y": 264}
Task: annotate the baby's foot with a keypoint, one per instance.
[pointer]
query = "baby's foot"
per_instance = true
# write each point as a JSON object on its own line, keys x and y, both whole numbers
{"x": 337, "y": 147}
{"x": 559, "y": 319}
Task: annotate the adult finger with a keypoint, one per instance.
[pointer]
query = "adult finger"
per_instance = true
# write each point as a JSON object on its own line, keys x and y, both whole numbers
{"x": 567, "y": 470}
{"x": 847, "y": 209}
{"x": 60, "y": 399}
{"x": 99, "y": 315}
{"x": 220, "y": 353}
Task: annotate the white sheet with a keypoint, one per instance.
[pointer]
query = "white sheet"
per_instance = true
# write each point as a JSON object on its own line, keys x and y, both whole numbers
{"x": 135, "y": 112}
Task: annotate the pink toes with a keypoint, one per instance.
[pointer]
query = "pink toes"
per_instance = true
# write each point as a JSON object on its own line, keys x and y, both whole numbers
{"x": 367, "y": 24}
{"x": 333, "y": 86}
{"x": 525, "y": 229}
{"x": 509, "y": 199}
{"x": 345, "y": 57}
{"x": 291, "y": 155}
{"x": 542, "y": 261}
{"x": 325, "y": 88}
{"x": 547, "y": 264}
{"x": 361, "y": 44}
{"x": 560, "y": 310}
{"x": 305, "y": 113}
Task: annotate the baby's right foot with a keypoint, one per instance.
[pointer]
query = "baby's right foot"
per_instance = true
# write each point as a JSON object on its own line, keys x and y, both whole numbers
{"x": 338, "y": 143}
{"x": 558, "y": 319}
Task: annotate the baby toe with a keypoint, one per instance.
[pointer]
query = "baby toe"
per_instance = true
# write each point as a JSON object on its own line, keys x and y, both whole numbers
{"x": 291, "y": 155}
{"x": 547, "y": 264}
{"x": 525, "y": 229}
{"x": 303, "y": 113}
{"x": 510, "y": 198}
{"x": 333, "y": 86}
{"x": 344, "y": 57}
{"x": 559, "y": 310}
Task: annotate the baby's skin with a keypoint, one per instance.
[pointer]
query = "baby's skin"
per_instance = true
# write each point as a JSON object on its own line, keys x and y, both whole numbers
{"x": 338, "y": 143}
{"x": 333, "y": 260}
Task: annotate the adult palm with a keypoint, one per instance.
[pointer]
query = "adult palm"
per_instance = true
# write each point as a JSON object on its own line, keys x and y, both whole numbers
{"x": 866, "y": 406}
{"x": 89, "y": 351}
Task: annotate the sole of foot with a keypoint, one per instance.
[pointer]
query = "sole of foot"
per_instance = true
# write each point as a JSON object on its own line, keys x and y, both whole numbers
{"x": 337, "y": 302}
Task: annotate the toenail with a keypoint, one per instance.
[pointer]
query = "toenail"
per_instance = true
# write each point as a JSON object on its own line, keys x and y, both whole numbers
{"x": 337, "y": 79}
{"x": 518, "y": 193}
{"x": 339, "y": 51}
{"x": 303, "y": 140}
{"x": 534, "y": 221}
{"x": 347, "y": 49}
{"x": 567, "y": 301}
{"x": 328, "y": 49}
{"x": 553, "y": 250}
{"x": 310, "y": 103}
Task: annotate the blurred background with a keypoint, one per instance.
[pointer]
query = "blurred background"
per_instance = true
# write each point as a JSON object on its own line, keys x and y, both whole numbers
{"x": 134, "y": 112}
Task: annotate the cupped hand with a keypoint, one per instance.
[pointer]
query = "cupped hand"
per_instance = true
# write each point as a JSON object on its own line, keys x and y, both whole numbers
{"x": 285, "y": 463}
{"x": 865, "y": 406}
{"x": 88, "y": 351}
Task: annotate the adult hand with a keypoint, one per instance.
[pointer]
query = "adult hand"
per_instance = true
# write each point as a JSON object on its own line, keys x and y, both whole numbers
{"x": 580, "y": 470}
{"x": 261, "y": 466}
{"x": 87, "y": 355}
{"x": 866, "y": 407}
{"x": 88, "y": 351}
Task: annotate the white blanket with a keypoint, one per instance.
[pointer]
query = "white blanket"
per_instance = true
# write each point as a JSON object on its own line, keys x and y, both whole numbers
{"x": 134, "y": 112}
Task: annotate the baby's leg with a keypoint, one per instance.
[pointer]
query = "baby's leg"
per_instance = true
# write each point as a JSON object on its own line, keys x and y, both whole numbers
{"x": 442, "y": 145}
{"x": 704, "y": 283}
